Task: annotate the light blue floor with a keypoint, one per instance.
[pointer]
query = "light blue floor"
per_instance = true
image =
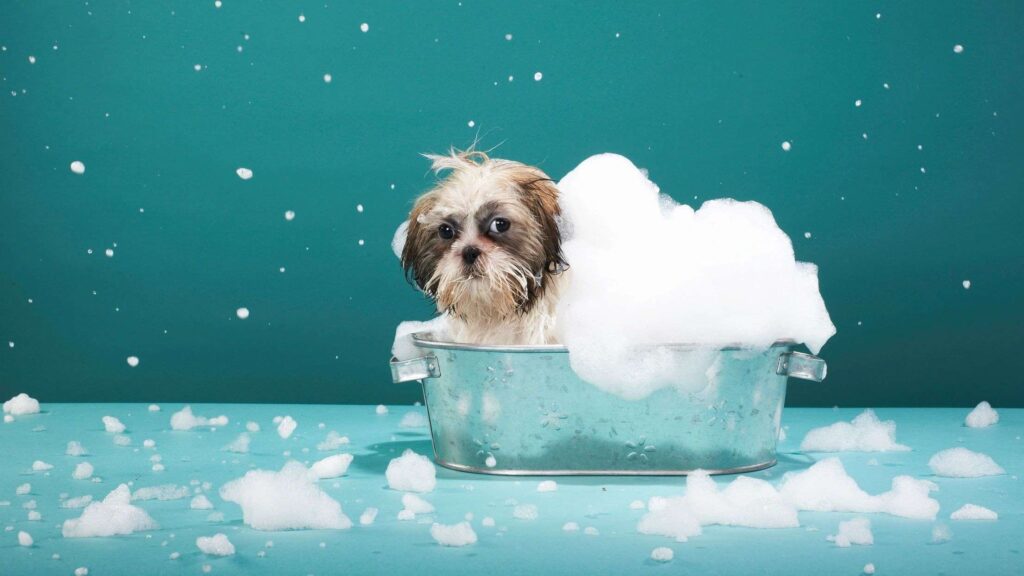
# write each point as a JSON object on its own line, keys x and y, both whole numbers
{"x": 513, "y": 546}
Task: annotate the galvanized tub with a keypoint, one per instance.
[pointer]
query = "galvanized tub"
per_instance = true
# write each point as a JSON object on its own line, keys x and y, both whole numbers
{"x": 521, "y": 410}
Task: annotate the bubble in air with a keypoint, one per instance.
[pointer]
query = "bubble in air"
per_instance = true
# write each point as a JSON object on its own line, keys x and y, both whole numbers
{"x": 289, "y": 215}
{"x": 958, "y": 49}
{"x": 786, "y": 146}
{"x": 364, "y": 27}
{"x": 133, "y": 361}
{"x": 78, "y": 167}
{"x": 244, "y": 173}
{"x": 537, "y": 76}
{"x": 242, "y": 313}
{"x": 967, "y": 284}
{"x": 328, "y": 78}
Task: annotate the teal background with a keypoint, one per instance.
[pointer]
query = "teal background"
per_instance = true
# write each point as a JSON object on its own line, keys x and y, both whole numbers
{"x": 700, "y": 94}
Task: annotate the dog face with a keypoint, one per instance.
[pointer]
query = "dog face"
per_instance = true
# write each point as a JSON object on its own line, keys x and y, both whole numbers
{"x": 483, "y": 241}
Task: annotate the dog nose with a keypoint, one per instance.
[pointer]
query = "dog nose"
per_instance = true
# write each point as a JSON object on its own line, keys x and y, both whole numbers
{"x": 470, "y": 254}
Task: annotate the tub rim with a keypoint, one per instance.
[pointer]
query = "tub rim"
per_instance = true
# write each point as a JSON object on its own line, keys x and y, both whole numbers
{"x": 426, "y": 340}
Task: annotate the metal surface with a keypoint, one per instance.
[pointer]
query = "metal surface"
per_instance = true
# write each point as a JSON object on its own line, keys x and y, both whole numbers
{"x": 521, "y": 410}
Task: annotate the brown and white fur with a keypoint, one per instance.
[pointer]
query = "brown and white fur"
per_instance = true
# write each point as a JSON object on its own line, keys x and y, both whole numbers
{"x": 484, "y": 244}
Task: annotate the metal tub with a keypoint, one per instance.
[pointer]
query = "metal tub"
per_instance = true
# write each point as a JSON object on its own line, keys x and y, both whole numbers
{"x": 521, "y": 410}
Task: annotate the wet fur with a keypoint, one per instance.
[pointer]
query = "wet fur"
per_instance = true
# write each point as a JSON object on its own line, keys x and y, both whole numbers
{"x": 510, "y": 293}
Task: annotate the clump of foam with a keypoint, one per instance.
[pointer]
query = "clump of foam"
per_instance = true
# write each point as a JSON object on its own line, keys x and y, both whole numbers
{"x": 240, "y": 444}
{"x": 77, "y": 502}
{"x": 973, "y": 512}
{"x": 114, "y": 516}
{"x": 381, "y": 410}
{"x": 113, "y": 425}
{"x": 161, "y": 492}
{"x": 941, "y": 534}
{"x": 662, "y": 554}
{"x": 23, "y": 489}
{"x": 285, "y": 500}
{"x": 286, "y": 427}
{"x": 826, "y": 487}
{"x": 963, "y": 463}
{"x": 403, "y": 347}
{"x": 525, "y": 512}
{"x": 75, "y": 448}
{"x": 647, "y": 271}
{"x": 331, "y": 467}
{"x": 82, "y": 471}
{"x": 200, "y": 502}
{"x": 411, "y": 472}
{"x": 746, "y": 501}
{"x": 866, "y": 433}
{"x": 216, "y": 545}
{"x": 25, "y": 539}
{"x": 40, "y": 466}
{"x": 333, "y": 441}
{"x": 460, "y": 534}
{"x": 416, "y": 505}
{"x": 21, "y": 404}
{"x": 368, "y": 516}
{"x": 413, "y": 420}
{"x": 856, "y": 531}
{"x": 982, "y": 416}
{"x": 547, "y": 486}
{"x": 184, "y": 419}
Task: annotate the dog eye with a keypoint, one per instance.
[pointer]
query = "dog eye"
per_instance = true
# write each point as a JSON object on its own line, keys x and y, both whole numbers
{"x": 445, "y": 231}
{"x": 499, "y": 226}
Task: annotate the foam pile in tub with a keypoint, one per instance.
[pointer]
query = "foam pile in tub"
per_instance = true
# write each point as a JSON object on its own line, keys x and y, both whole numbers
{"x": 646, "y": 270}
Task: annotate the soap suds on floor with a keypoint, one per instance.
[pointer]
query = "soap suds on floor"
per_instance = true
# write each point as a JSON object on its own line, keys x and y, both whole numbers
{"x": 411, "y": 472}
{"x": 216, "y": 545}
{"x": 113, "y": 425}
{"x": 161, "y": 492}
{"x": 413, "y": 420}
{"x": 200, "y": 502}
{"x": 82, "y": 471}
{"x": 75, "y": 448}
{"x": 184, "y": 419}
{"x": 973, "y": 512}
{"x": 416, "y": 505}
{"x": 525, "y": 512}
{"x": 460, "y": 534}
{"x": 331, "y": 466}
{"x": 856, "y": 531}
{"x": 21, "y": 404}
{"x": 240, "y": 445}
{"x": 286, "y": 427}
{"x": 113, "y": 516}
{"x": 963, "y": 463}
{"x": 288, "y": 499}
{"x": 662, "y": 554}
{"x": 866, "y": 433}
{"x": 547, "y": 486}
{"x": 333, "y": 441}
{"x": 982, "y": 416}
{"x": 368, "y": 516}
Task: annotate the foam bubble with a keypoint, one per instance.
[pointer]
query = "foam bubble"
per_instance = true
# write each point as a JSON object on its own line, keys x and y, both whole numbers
{"x": 958, "y": 48}
{"x": 78, "y": 167}
{"x": 244, "y": 173}
{"x": 331, "y": 466}
{"x": 416, "y": 505}
{"x": 82, "y": 471}
{"x": 403, "y": 347}
{"x": 333, "y": 441}
{"x": 328, "y": 78}
{"x": 413, "y": 420}
{"x": 368, "y": 516}
{"x": 963, "y": 463}
{"x": 200, "y": 502}
{"x": 286, "y": 427}
{"x": 242, "y": 313}
{"x": 240, "y": 445}
{"x": 866, "y": 433}
{"x": 662, "y": 554}
{"x": 853, "y": 532}
{"x": 133, "y": 361}
{"x": 411, "y": 472}
{"x": 525, "y": 512}
{"x": 161, "y": 492}
{"x": 114, "y": 516}
{"x": 40, "y": 466}
{"x": 786, "y": 146}
{"x": 216, "y": 545}
{"x": 537, "y": 76}
{"x": 75, "y": 448}
{"x": 973, "y": 512}
{"x": 25, "y": 539}
{"x": 547, "y": 486}
{"x": 982, "y": 416}
{"x": 364, "y": 27}
{"x": 460, "y": 534}
{"x": 285, "y": 500}
{"x": 113, "y": 425}
{"x": 21, "y": 405}
{"x": 185, "y": 420}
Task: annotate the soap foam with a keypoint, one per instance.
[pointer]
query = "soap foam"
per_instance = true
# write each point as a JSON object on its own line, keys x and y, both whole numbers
{"x": 185, "y": 420}
{"x": 403, "y": 347}
{"x": 161, "y": 492}
{"x": 286, "y": 427}
{"x": 413, "y": 420}
{"x": 21, "y": 404}
{"x": 826, "y": 487}
{"x": 114, "y": 516}
{"x": 113, "y": 425}
{"x": 416, "y": 505}
{"x": 82, "y": 471}
{"x": 331, "y": 467}
{"x": 963, "y": 463}
{"x": 411, "y": 472}
{"x": 982, "y": 416}
{"x": 856, "y": 531}
{"x": 216, "y": 545}
{"x": 285, "y": 500}
{"x": 460, "y": 534}
{"x": 865, "y": 434}
{"x": 973, "y": 512}
{"x": 333, "y": 441}
{"x": 646, "y": 271}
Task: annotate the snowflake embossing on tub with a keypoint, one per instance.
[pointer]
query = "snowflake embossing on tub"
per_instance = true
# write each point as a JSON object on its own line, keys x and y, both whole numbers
{"x": 639, "y": 450}
{"x": 486, "y": 449}
{"x": 551, "y": 418}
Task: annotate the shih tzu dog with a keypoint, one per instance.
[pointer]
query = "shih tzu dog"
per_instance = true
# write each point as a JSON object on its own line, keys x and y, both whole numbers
{"x": 484, "y": 244}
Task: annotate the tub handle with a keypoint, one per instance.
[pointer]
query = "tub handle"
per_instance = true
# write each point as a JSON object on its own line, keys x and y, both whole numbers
{"x": 414, "y": 369}
{"x": 800, "y": 365}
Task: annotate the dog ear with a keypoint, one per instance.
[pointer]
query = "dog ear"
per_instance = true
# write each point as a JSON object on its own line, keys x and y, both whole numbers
{"x": 418, "y": 260}
{"x": 541, "y": 195}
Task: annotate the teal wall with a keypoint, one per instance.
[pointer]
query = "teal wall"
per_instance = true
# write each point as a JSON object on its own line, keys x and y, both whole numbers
{"x": 701, "y": 94}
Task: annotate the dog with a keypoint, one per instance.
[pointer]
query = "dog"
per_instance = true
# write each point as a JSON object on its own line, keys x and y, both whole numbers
{"x": 484, "y": 245}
